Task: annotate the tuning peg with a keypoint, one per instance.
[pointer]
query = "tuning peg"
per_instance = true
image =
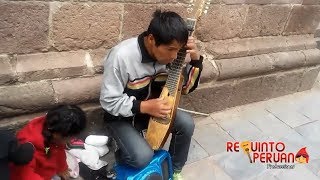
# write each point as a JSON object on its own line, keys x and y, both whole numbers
{"x": 191, "y": 1}
{"x": 205, "y": 11}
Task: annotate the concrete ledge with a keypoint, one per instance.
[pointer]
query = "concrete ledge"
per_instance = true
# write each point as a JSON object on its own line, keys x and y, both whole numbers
{"x": 97, "y": 57}
{"x": 244, "y": 66}
{"x": 312, "y": 56}
{"x": 209, "y": 72}
{"x": 262, "y": 1}
{"x": 93, "y": 111}
{"x": 288, "y": 60}
{"x": 225, "y": 49}
{"x": 77, "y": 90}
{"x": 7, "y": 74}
{"x": 52, "y": 65}
{"x": 309, "y": 78}
{"x": 318, "y": 42}
{"x": 208, "y": 98}
{"x": 310, "y": 2}
{"x": 317, "y": 33}
{"x": 25, "y": 98}
{"x": 211, "y": 97}
{"x": 261, "y": 64}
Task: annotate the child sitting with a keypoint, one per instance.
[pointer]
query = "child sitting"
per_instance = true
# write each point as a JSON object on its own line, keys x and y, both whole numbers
{"x": 49, "y": 134}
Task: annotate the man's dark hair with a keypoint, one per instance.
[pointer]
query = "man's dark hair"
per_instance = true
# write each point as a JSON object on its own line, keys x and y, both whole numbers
{"x": 67, "y": 120}
{"x": 167, "y": 26}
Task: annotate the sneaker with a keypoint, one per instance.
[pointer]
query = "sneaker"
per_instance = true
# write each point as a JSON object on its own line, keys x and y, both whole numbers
{"x": 75, "y": 143}
{"x": 177, "y": 176}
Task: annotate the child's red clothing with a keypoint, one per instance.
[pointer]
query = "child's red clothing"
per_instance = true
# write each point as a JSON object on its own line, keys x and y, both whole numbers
{"x": 42, "y": 166}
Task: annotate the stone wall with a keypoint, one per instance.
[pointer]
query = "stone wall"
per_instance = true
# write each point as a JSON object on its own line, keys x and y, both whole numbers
{"x": 51, "y": 52}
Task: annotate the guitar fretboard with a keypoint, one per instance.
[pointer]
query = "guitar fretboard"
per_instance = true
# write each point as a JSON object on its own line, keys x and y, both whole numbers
{"x": 175, "y": 71}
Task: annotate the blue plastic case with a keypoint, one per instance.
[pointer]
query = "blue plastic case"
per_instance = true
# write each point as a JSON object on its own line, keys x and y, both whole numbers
{"x": 160, "y": 168}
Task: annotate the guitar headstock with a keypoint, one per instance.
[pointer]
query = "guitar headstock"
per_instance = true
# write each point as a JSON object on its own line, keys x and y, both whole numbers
{"x": 195, "y": 9}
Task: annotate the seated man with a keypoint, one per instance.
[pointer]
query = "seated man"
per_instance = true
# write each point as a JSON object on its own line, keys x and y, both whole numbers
{"x": 133, "y": 69}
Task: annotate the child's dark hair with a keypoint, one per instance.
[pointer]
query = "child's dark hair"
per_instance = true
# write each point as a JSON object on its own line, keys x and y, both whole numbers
{"x": 167, "y": 26}
{"x": 67, "y": 120}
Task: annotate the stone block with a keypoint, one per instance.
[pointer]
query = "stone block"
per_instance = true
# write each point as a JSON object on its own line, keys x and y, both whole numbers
{"x": 179, "y": 8}
{"x": 136, "y": 18}
{"x": 95, "y": 122}
{"x": 263, "y": 45}
{"x": 78, "y": 90}
{"x": 17, "y": 122}
{"x": 209, "y": 72}
{"x": 309, "y": 78}
{"x": 86, "y": 25}
{"x": 7, "y": 74}
{"x": 25, "y": 98}
{"x": 221, "y": 22}
{"x": 94, "y": 113}
{"x": 98, "y": 56}
{"x": 283, "y": 83}
{"x": 249, "y": 90}
{"x": 287, "y": 60}
{"x": 300, "y": 42}
{"x": 24, "y": 27}
{"x": 227, "y": 49}
{"x": 262, "y": 2}
{"x": 211, "y": 97}
{"x": 318, "y": 42}
{"x": 33, "y": 67}
{"x": 317, "y": 33}
{"x": 311, "y": 2}
{"x": 244, "y": 66}
{"x": 312, "y": 56}
{"x": 265, "y": 20}
{"x": 303, "y": 20}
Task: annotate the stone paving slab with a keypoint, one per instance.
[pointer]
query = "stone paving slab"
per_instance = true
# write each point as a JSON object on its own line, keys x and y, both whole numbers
{"x": 212, "y": 138}
{"x": 314, "y": 166}
{"x": 205, "y": 169}
{"x": 299, "y": 172}
{"x": 237, "y": 165}
{"x": 294, "y": 142}
{"x": 196, "y": 152}
{"x": 270, "y": 125}
{"x": 240, "y": 129}
{"x": 311, "y": 132}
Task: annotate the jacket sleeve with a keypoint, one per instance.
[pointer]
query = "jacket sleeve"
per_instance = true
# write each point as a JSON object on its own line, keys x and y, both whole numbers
{"x": 115, "y": 78}
{"x": 191, "y": 74}
{"x": 24, "y": 172}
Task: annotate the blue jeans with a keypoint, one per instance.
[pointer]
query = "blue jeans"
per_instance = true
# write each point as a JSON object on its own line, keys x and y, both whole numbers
{"x": 134, "y": 149}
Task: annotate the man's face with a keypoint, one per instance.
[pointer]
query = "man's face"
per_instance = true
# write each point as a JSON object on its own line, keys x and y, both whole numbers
{"x": 165, "y": 54}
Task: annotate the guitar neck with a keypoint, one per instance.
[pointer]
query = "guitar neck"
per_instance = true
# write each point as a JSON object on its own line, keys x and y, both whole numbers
{"x": 176, "y": 66}
{"x": 175, "y": 72}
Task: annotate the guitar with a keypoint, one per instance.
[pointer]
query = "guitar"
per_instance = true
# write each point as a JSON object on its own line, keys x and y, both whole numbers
{"x": 246, "y": 147}
{"x": 159, "y": 128}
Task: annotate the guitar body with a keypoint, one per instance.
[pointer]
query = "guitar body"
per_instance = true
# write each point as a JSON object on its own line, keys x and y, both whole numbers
{"x": 158, "y": 128}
